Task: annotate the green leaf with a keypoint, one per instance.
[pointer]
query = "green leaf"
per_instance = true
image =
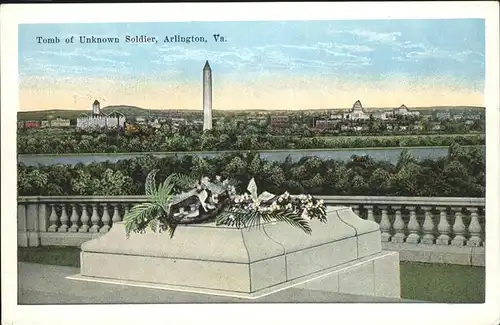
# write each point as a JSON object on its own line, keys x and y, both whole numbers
{"x": 184, "y": 182}
{"x": 293, "y": 219}
{"x": 150, "y": 184}
{"x": 139, "y": 216}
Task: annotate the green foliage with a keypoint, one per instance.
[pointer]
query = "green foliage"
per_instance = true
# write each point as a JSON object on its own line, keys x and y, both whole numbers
{"x": 460, "y": 174}
{"x": 155, "y": 213}
{"x": 226, "y": 136}
{"x": 248, "y": 210}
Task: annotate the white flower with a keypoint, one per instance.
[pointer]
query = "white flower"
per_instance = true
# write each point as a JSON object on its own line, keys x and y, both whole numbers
{"x": 205, "y": 180}
{"x": 305, "y": 215}
{"x": 289, "y": 206}
{"x": 231, "y": 217}
{"x": 321, "y": 202}
{"x": 217, "y": 178}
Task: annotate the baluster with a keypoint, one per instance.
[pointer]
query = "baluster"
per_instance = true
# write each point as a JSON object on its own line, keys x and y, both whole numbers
{"x": 64, "y": 219}
{"x": 369, "y": 209}
{"x": 458, "y": 228}
{"x": 428, "y": 227}
{"x": 74, "y": 219}
{"x": 398, "y": 225}
{"x": 413, "y": 227}
{"x": 355, "y": 209}
{"x": 53, "y": 219}
{"x": 443, "y": 227}
{"x": 385, "y": 225}
{"x": 116, "y": 213}
{"x": 85, "y": 219}
{"x": 105, "y": 219}
{"x": 94, "y": 219}
{"x": 474, "y": 229}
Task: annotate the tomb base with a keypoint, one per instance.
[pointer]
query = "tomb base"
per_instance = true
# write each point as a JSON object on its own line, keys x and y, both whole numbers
{"x": 342, "y": 255}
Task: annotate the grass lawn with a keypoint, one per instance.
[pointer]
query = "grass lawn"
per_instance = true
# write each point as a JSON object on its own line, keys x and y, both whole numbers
{"x": 419, "y": 281}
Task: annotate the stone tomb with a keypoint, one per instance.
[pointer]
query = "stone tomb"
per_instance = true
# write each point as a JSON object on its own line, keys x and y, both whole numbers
{"x": 343, "y": 255}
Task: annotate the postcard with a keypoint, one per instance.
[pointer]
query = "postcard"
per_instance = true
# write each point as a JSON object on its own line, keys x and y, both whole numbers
{"x": 327, "y": 158}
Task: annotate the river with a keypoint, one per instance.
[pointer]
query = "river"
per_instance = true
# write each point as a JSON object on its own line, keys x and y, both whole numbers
{"x": 379, "y": 154}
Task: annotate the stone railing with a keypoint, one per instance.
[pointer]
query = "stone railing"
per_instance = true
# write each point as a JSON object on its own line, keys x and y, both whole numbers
{"x": 442, "y": 230}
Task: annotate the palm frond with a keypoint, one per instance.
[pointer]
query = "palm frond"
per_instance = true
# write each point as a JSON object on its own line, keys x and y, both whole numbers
{"x": 184, "y": 182}
{"x": 171, "y": 229}
{"x": 138, "y": 217}
{"x": 150, "y": 184}
{"x": 236, "y": 217}
{"x": 163, "y": 195}
{"x": 293, "y": 219}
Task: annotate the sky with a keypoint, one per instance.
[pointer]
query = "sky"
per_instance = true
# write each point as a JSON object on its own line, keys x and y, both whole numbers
{"x": 261, "y": 65}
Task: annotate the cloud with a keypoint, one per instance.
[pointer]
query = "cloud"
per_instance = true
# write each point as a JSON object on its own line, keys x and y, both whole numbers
{"x": 408, "y": 51}
{"x": 98, "y": 55}
{"x": 421, "y": 52}
{"x": 271, "y": 57}
{"x": 376, "y": 37}
{"x": 78, "y": 61}
{"x": 43, "y": 66}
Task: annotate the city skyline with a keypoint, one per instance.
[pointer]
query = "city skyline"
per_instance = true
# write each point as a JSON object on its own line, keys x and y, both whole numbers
{"x": 280, "y": 65}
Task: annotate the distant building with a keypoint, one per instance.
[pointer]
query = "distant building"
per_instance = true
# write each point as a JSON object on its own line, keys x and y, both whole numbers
{"x": 357, "y": 112}
{"x": 96, "y": 108}
{"x": 326, "y": 123}
{"x": 59, "y": 123}
{"x": 443, "y": 115}
{"x": 336, "y": 116}
{"x": 100, "y": 120}
{"x": 178, "y": 120}
{"x": 404, "y": 111}
{"x": 140, "y": 120}
{"x": 45, "y": 124}
{"x": 320, "y": 123}
{"x": 278, "y": 121}
{"x": 32, "y": 124}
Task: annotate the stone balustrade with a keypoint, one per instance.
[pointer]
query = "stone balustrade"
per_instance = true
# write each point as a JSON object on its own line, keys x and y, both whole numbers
{"x": 445, "y": 230}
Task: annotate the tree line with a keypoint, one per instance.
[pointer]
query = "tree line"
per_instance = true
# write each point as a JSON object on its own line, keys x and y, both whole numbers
{"x": 460, "y": 174}
{"x": 228, "y": 136}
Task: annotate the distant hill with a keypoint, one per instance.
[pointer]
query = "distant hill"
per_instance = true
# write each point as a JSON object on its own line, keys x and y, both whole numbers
{"x": 134, "y": 111}
{"x": 128, "y": 110}
{"x": 50, "y": 114}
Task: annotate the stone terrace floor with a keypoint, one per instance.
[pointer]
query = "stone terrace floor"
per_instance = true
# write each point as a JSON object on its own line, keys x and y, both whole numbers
{"x": 47, "y": 284}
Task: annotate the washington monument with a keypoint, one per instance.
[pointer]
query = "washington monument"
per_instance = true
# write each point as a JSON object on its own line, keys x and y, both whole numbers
{"x": 207, "y": 97}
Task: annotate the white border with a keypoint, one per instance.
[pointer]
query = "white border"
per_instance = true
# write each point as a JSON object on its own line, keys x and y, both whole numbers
{"x": 12, "y": 15}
